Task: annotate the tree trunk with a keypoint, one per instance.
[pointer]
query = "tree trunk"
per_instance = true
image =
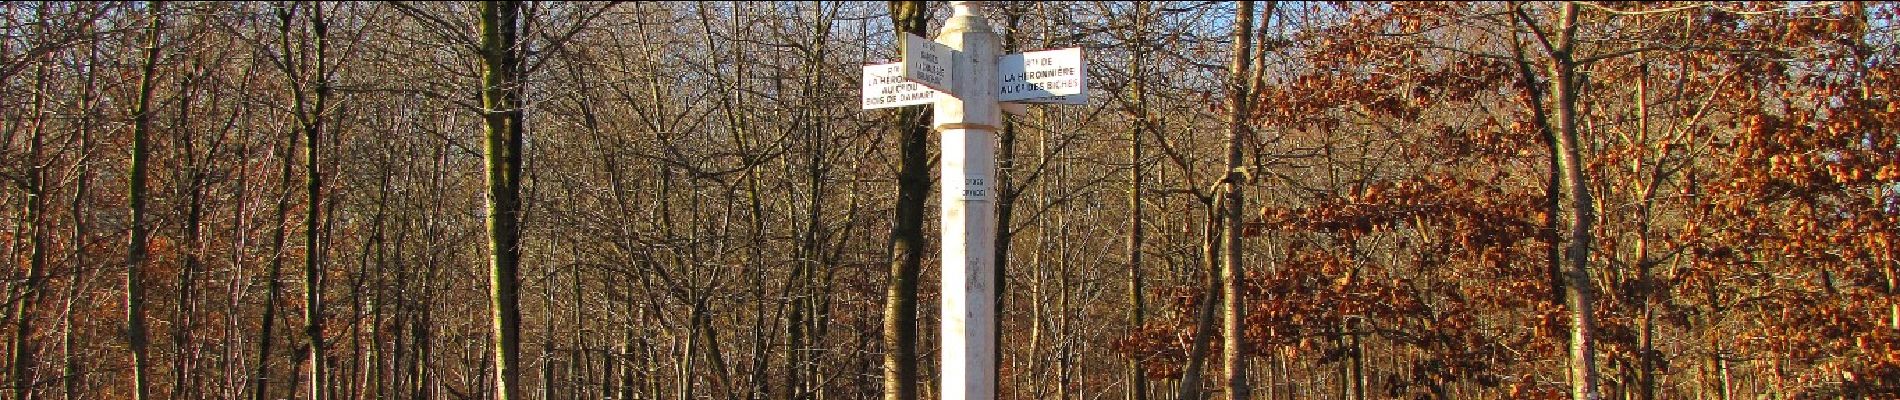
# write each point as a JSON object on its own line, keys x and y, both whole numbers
{"x": 1553, "y": 182}
{"x": 185, "y": 313}
{"x": 1006, "y": 194}
{"x": 1582, "y": 219}
{"x": 1234, "y": 346}
{"x": 801, "y": 367}
{"x": 310, "y": 109}
{"x": 21, "y": 350}
{"x": 260, "y": 380}
{"x": 72, "y": 368}
{"x": 502, "y": 151}
{"x": 1137, "y": 381}
{"x": 1192, "y": 375}
{"x": 140, "y": 240}
{"x": 907, "y": 235}
{"x": 1646, "y": 284}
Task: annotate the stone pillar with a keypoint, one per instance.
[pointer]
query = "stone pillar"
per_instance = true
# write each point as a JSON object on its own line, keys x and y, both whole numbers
{"x": 967, "y": 124}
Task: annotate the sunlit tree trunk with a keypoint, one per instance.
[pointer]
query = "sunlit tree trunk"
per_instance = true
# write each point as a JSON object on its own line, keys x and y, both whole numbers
{"x": 1646, "y": 286}
{"x": 1137, "y": 313}
{"x": 907, "y": 235}
{"x": 502, "y": 138}
{"x": 1579, "y": 292}
{"x": 1234, "y": 346}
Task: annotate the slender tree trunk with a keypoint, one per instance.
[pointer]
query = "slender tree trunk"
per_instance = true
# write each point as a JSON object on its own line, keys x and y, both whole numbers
{"x": 310, "y": 111}
{"x": 548, "y": 352}
{"x": 627, "y": 371}
{"x": 1137, "y": 380}
{"x": 72, "y": 370}
{"x": 907, "y": 235}
{"x": 584, "y": 371}
{"x": 380, "y": 381}
{"x": 71, "y": 366}
{"x": 1553, "y": 205}
{"x": 503, "y": 137}
{"x": 1353, "y": 325}
{"x": 1533, "y": 96}
{"x": 419, "y": 376}
{"x": 1580, "y": 294}
{"x": 1193, "y": 375}
{"x": 1646, "y": 284}
{"x": 1553, "y": 212}
{"x": 185, "y": 312}
{"x": 140, "y": 240}
{"x": 358, "y": 382}
{"x": 688, "y": 353}
{"x": 801, "y": 367}
{"x": 183, "y": 384}
{"x": 21, "y": 350}
{"x": 273, "y": 276}
{"x": 1006, "y": 194}
{"x": 1234, "y": 345}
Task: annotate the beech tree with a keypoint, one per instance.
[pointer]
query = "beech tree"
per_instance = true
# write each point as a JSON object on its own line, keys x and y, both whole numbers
{"x": 502, "y": 141}
{"x": 139, "y": 246}
{"x": 907, "y": 234}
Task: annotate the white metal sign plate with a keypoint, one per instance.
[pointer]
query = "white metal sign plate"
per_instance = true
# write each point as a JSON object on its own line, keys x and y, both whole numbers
{"x": 885, "y": 87}
{"x": 1043, "y": 74}
{"x": 927, "y": 62}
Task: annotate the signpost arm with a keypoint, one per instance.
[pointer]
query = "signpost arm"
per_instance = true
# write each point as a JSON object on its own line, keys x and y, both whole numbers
{"x": 968, "y": 124}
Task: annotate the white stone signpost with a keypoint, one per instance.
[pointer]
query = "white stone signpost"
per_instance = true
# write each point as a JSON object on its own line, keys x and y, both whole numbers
{"x": 968, "y": 79}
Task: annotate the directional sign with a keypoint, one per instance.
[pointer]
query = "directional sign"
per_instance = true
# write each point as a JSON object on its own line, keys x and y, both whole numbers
{"x": 885, "y": 87}
{"x": 1042, "y": 74}
{"x": 927, "y": 62}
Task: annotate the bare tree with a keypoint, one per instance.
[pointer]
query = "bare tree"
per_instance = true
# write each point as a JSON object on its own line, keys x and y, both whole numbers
{"x": 907, "y": 235}
{"x": 140, "y": 243}
{"x": 502, "y": 138}
{"x": 1233, "y": 276}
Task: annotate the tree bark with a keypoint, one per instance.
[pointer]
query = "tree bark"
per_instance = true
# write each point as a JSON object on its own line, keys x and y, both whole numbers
{"x": 187, "y": 278}
{"x": 140, "y": 239}
{"x": 907, "y": 235}
{"x": 1568, "y": 177}
{"x": 502, "y": 138}
{"x": 1193, "y": 375}
{"x": 1006, "y": 195}
{"x": 1234, "y": 345}
{"x": 260, "y": 380}
{"x": 1137, "y": 381}
{"x": 1553, "y": 181}
{"x": 71, "y": 370}
{"x": 1646, "y": 284}
{"x": 21, "y": 350}
{"x": 1579, "y": 293}
{"x": 309, "y": 109}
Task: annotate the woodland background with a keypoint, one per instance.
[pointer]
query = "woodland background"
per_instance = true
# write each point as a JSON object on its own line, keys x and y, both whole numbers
{"x": 682, "y": 200}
